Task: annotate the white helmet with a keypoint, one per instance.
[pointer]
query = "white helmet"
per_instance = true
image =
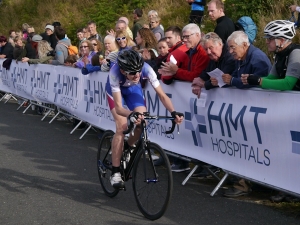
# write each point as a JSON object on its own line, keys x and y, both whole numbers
{"x": 280, "y": 29}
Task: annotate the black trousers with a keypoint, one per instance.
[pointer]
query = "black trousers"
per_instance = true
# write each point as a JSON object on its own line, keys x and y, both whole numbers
{"x": 196, "y": 16}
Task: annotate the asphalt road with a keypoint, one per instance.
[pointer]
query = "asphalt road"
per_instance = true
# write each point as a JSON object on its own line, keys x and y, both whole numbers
{"x": 48, "y": 176}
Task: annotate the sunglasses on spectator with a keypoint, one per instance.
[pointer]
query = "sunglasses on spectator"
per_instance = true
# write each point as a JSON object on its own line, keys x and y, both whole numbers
{"x": 84, "y": 46}
{"x": 119, "y": 39}
{"x": 95, "y": 44}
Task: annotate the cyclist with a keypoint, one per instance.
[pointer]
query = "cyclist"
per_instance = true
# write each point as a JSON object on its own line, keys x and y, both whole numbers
{"x": 124, "y": 85}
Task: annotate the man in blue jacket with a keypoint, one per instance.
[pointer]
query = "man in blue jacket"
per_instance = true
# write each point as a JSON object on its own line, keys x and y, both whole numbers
{"x": 249, "y": 60}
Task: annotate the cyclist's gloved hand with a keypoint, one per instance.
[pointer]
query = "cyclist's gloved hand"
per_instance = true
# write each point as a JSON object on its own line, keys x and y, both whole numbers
{"x": 253, "y": 79}
{"x": 133, "y": 117}
{"x": 174, "y": 114}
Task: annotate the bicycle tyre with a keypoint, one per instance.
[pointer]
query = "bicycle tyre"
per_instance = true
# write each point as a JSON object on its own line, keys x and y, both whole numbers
{"x": 152, "y": 196}
{"x": 104, "y": 163}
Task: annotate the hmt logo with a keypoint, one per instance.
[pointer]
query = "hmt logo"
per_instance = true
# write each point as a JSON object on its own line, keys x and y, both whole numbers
{"x": 224, "y": 125}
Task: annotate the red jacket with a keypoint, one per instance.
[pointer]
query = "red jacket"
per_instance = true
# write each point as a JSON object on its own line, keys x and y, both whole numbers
{"x": 190, "y": 64}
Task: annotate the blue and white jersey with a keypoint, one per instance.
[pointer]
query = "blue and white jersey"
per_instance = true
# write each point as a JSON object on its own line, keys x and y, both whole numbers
{"x": 117, "y": 80}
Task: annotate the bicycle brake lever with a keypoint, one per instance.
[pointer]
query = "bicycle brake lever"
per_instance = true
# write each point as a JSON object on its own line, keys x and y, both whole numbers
{"x": 178, "y": 129}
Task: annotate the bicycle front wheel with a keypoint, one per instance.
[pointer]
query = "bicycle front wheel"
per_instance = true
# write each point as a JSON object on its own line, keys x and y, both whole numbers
{"x": 104, "y": 163}
{"x": 152, "y": 181}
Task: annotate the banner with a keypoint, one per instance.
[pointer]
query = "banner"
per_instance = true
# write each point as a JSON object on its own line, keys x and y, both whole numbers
{"x": 253, "y": 133}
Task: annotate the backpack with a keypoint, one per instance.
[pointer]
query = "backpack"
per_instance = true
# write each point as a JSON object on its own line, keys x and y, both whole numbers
{"x": 246, "y": 24}
{"x": 72, "y": 49}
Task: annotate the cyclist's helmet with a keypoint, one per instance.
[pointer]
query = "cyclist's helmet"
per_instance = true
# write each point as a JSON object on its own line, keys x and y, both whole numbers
{"x": 280, "y": 29}
{"x": 130, "y": 61}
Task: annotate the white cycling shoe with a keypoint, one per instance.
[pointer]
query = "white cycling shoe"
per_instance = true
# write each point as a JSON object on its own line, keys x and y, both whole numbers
{"x": 116, "y": 181}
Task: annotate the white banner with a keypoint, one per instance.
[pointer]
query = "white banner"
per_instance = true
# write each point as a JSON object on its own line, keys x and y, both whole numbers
{"x": 254, "y": 133}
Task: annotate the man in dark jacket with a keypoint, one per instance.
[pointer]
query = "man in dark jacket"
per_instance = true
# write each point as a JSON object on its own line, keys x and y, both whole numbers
{"x": 6, "y": 48}
{"x": 219, "y": 57}
{"x": 249, "y": 60}
{"x": 225, "y": 25}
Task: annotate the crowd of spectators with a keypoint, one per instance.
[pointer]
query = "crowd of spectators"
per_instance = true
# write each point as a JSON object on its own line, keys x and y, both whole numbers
{"x": 174, "y": 53}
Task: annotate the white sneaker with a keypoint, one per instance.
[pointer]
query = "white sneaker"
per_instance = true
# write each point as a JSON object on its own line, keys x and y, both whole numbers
{"x": 116, "y": 181}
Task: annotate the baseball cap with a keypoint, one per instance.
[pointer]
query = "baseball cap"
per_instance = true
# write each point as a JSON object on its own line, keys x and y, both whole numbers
{"x": 49, "y": 27}
{"x": 37, "y": 38}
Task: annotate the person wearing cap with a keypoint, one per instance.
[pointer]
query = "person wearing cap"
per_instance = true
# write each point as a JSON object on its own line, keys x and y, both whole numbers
{"x": 6, "y": 48}
{"x": 49, "y": 31}
{"x": 285, "y": 73}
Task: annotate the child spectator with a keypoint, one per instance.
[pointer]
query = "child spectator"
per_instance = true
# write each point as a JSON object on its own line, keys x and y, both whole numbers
{"x": 70, "y": 60}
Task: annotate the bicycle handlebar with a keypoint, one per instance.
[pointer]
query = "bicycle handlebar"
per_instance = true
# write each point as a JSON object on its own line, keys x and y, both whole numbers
{"x": 147, "y": 116}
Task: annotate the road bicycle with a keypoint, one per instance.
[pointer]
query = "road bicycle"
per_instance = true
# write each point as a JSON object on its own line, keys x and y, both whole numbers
{"x": 146, "y": 164}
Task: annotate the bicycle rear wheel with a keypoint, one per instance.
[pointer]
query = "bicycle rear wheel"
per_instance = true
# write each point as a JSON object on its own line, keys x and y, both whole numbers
{"x": 152, "y": 181}
{"x": 104, "y": 163}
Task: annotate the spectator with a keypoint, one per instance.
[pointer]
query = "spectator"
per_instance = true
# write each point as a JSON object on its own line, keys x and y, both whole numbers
{"x": 123, "y": 40}
{"x": 61, "y": 49}
{"x": 225, "y": 26}
{"x": 30, "y": 30}
{"x": 151, "y": 14}
{"x": 94, "y": 66}
{"x": 12, "y": 35}
{"x": 97, "y": 45}
{"x": 19, "y": 49}
{"x": 6, "y": 48}
{"x": 52, "y": 38}
{"x": 44, "y": 52}
{"x": 197, "y": 10}
{"x": 86, "y": 52}
{"x": 284, "y": 74}
{"x": 190, "y": 58}
{"x": 92, "y": 28}
{"x": 138, "y": 22}
{"x": 24, "y": 30}
{"x": 111, "y": 53}
{"x": 80, "y": 36}
{"x": 56, "y": 24}
{"x": 249, "y": 59}
{"x": 120, "y": 25}
{"x": 163, "y": 52}
{"x": 155, "y": 28}
{"x": 192, "y": 63}
{"x": 71, "y": 60}
{"x": 294, "y": 8}
{"x": 86, "y": 32}
{"x": 145, "y": 39}
{"x": 220, "y": 58}
{"x": 177, "y": 48}
{"x": 125, "y": 19}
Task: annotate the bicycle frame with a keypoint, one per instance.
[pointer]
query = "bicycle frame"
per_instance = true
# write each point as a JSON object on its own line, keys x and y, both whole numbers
{"x": 140, "y": 146}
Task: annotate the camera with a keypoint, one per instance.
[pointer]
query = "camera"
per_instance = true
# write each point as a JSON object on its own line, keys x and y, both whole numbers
{"x": 51, "y": 53}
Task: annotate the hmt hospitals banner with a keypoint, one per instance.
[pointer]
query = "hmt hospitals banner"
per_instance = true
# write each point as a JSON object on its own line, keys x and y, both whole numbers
{"x": 254, "y": 133}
